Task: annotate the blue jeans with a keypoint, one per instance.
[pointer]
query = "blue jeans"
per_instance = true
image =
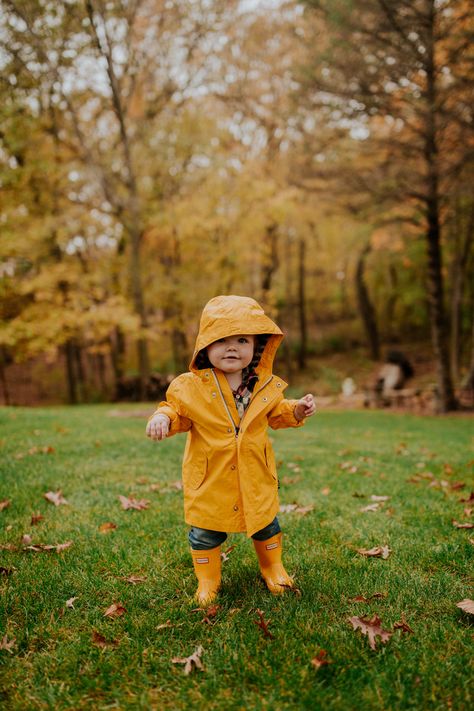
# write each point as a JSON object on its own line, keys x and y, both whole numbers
{"x": 202, "y": 539}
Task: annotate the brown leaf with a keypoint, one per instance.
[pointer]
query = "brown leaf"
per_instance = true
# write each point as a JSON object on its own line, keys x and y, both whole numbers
{"x": 374, "y": 497}
{"x": 456, "y": 524}
{"x": 134, "y": 579}
{"x": 100, "y": 641}
{"x": 107, "y": 527}
{"x": 287, "y": 480}
{"x": 191, "y": 662}
{"x": 468, "y": 499}
{"x": 7, "y": 645}
{"x": 457, "y": 485}
{"x": 372, "y": 628}
{"x": 362, "y": 598}
{"x": 403, "y": 626}
{"x": 296, "y": 508}
{"x": 133, "y": 504}
{"x": 38, "y": 547}
{"x": 7, "y": 547}
{"x": 325, "y": 492}
{"x": 225, "y": 554}
{"x": 468, "y": 511}
{"x": 376, "y": 552}
{"x": 210, "y": 613}
{"x": 35, "y": 519}
{"x": 263, "y": 624}
{"x": 320, "y": 660}
{"x": 70, "y": 602}
{"x": 115, "y": 610}
{"x": 370, "y": 508}
{"x": 55, "y": 497}
{"x": 26, "y": 539}
{"x": 466, "y": 605}
{"x": 165, "y": 625}
{"x": 4, "y": 504}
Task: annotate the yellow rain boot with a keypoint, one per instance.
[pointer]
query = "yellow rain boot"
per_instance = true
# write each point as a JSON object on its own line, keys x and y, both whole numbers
{"x": 207, "y": 567}
{"x": 271, "y": 567}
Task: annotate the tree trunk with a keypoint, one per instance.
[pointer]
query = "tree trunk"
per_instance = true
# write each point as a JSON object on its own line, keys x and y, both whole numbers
{"x": 303, "y": 349}
{"x": 366, "y": 309}
{"x": 447, "y": 400}
{"x": 270, "y": 261}
{"x": 70, "y": 372}
{"x": 6, "y": 394}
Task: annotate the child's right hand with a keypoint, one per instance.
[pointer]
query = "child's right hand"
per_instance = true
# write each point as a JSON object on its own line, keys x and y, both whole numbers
{"x": 158, "y": 427}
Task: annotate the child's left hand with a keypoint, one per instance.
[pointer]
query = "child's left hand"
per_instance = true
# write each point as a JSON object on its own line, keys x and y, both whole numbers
{"x": 305, "y": 407}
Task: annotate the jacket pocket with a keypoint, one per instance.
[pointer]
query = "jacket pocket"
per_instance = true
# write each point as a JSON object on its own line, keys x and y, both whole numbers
{"x": 270, "y": 460}
{"x": 194, "y": 471}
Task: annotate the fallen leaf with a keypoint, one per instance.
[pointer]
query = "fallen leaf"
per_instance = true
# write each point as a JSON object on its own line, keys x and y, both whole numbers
{"x": 468, "y": 499}
{"x": 7, "y": 547}
{"x": 4, "y": 504}
{"x": 100, "y": 641}
{"x": 296, "y": 508}
{"x": 287, "y": 480}
{"x": 362, "y": 598}
{"x": 457, "y": 485}
{"x": 369, "y": 508}
{"x": 41, "y": 450}
{"x": 38, "y": 547}
{"x": 133, "y": 504}
{"x": 26, "y": 539}
{"x": 403, "y": 626}
{"x": 55, "y": 497}
{"x": 154, "y": 487}
{"x": 135, "y": 579}
{"x": 376, "y": 552}
{"x": 456, "y": 524}
{"x": 447, "y": 468}
{"x": 165, "y": 625}
{"x": 372, "y": 628}
{"x": 320, "y": 660}
{"x": 7, "y": 645}
{"x": 263, "y": 624}
{"x": 374, "y": 497}
{"x": 466, "y": 605}
{"x": 107, "y": 527}
{"x": 325, "y": 492}
{"x": 471, "y": 541}
{"x": 191, "y": 662}
{"x": 210, "y": 613}
{"x": 115, "y": 610}
{"x": 468, "y": 511}
{"x": 62, "y": 546}
{"x": 35, "y": 519}
{"x": 70, "y": 602}
{"x": 225, "y": 554}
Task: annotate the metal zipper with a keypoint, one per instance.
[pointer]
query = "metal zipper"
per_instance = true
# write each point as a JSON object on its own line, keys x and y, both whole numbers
{"x": 237, "y": 429}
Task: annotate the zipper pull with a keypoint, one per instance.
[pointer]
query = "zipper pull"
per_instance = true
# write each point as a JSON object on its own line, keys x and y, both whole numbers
{"x": 237, "y": 430}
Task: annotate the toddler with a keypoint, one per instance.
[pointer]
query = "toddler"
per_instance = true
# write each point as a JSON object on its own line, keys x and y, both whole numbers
{"x": 225, "y": 404}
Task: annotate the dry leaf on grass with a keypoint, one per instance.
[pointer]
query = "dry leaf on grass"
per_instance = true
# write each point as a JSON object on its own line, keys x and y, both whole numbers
{"x": 35, "y": 519}
{"x": 370, "y": 508}
{"x": 107, "y": 527}
{"x": 288, "y": 480}
{"x": 263, "y": 624}
{"x": 210, "y": 613}
{"x": 225, "y": 554}
{"x": 100, "y": 641}
{"x": 296, "y": 508}
{"x": 192, "y": 662}
{"x": 363, "y": 598}
{"x": 374, "y": 497}
{"x": 456, "y": 485}
{"x": 320, "y": 660}
{"x": 372, "y": 628}
{"x": 26, "y": 539}
{"x": 165, "y": 625}
{"x": 38, "y": 547}
{"x": 55, "y": 497}
{"x": 134, "y": 579}
{"x": 456, "y": 524}
{"x": 7, "y": 644}
{"x": 403, "y": 626}
{"x": 466, "y": 605}
{"x": 70, "y": 603}
{"x": 133, "y": 504}
{"x": 325, "y": 492}
{"x": 468, "y": 499}
{"x": 4, "y": 504}
{"x": 41, "y": 450}
{"x": 115, "y": 610}
{"x": 376, "y": 552}
{"x": 7, "y": 571}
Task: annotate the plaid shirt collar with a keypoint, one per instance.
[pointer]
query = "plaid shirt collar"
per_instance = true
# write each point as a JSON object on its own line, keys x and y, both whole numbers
{"x": 243, "y": 393}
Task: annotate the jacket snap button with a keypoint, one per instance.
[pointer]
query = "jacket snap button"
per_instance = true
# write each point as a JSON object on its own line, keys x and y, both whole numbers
{"x": 232, "y": 466}
{"x": 278, "y": 385}
{"x": 214, "y": 394}
{"x": 236, "y": 508}
{"x": 264, "y": 399}
{"x": 229, "y": 429}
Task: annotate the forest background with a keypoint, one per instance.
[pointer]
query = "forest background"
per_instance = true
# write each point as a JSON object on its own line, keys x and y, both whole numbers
{"x": 317, "y": 156}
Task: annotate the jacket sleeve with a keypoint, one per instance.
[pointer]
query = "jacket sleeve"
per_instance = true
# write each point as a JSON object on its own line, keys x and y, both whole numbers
{"x": 282, "y": 415}
{"x": 174, "y": 409}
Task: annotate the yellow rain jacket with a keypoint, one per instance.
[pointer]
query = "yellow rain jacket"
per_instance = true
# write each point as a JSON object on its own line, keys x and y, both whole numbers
{"x": 229, "y": 473}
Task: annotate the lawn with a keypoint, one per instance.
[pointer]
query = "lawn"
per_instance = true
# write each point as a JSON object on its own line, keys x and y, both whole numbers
{"x": 76, "y": 658}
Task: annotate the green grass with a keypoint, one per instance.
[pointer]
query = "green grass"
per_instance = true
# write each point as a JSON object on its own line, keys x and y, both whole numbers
{"x": 97, "y": 457}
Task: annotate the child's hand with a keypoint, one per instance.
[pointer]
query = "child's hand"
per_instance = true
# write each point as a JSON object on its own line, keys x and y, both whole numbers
{"x": 305, "y": 407}
{"x": 158, "y": 427}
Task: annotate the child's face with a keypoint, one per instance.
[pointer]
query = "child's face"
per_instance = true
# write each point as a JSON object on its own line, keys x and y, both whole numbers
{"x": 231, "y": 354}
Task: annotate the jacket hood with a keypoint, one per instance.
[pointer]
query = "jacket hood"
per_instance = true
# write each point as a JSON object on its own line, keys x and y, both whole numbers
{"x": 231, "y": 315}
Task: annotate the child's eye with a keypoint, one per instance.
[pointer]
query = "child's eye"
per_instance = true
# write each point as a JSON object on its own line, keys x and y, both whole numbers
{"x": 243, "y": 340}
